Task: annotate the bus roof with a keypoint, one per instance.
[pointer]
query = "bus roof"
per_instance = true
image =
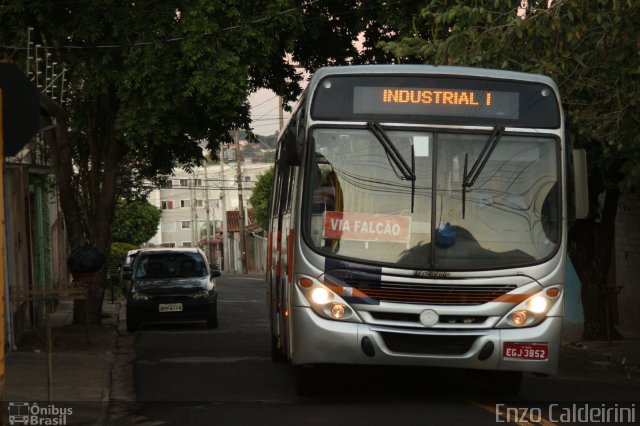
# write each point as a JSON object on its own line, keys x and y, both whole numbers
{"x": 433, "y": 70}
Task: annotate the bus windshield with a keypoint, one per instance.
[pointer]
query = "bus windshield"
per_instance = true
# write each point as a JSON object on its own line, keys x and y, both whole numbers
{"x": 361, "y": 206}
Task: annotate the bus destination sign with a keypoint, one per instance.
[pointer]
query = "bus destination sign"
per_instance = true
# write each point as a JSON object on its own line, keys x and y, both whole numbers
{"x": 436, "y": 102}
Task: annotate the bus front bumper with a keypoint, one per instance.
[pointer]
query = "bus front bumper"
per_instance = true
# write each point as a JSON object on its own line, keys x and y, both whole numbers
{"x": 319, "y": 341}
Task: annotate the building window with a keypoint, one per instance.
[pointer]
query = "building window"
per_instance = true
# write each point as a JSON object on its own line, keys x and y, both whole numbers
{"x": 186, "y": 224}
{"x": 168, "y": 245}
{"x": 199, "y": 203}
{"x": 186, "y": 244}
{"x": 168, "y": 184}
{"x": 215, "y": 204}
{"x": 247, "y": 178}
{"x": 166, "y": 205}
{"x": 184, "y": 182}
{"x": 185, "y": 203}
{"x": 168, "y": 226}
{"x": 198, "y": 182}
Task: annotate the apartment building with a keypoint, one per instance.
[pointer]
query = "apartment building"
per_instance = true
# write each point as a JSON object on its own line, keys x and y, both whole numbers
{"x": 194, "y": 203}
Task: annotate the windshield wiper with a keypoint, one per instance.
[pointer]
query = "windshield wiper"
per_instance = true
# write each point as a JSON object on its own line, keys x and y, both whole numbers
{"x": 392, "y": 151}
{"x": 469, "y": 179}
{"x": 394, "y": 156}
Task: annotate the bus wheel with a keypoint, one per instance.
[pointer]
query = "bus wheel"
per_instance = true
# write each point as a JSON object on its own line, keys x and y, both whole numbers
{"x": 276, "y": 352}
{"x": 504, "y": 383}
{"x": 304, "y": 377}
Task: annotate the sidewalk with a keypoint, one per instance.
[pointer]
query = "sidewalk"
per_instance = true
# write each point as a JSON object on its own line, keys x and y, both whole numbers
{"x": 82, "y": 366}
{"x": 616, "y": 353}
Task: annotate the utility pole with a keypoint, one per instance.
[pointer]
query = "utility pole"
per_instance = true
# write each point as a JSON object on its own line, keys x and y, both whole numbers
{"x": 280, "y": 113}
{"x": 208, "y": 208}
{"x": 223, "y": 205}
{"x": 243, "y": 245}
{"x": 194, "y": 213}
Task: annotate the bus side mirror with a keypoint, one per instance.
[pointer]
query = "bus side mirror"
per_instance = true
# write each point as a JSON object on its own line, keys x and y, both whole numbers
{"x": 581, "y": 184}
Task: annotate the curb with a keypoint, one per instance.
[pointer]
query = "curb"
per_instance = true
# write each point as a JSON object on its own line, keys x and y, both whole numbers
{"x": 618, "y": 355}
{"x": 110, "y": 360}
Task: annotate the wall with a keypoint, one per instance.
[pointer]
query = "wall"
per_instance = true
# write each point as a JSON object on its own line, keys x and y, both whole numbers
{"x": 627, "y": 263}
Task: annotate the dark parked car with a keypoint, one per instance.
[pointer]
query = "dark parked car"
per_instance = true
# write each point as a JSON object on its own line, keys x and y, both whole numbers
{"x": 171, "y": 285}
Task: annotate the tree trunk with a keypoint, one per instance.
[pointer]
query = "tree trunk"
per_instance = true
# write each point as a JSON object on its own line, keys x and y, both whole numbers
{"x": 592, "y": 254}
{"x": 104, "y": 156}
{"x": 88, "y": 222}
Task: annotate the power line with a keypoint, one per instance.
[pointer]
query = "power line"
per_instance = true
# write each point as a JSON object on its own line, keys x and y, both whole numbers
{"x": 168, "y": 40}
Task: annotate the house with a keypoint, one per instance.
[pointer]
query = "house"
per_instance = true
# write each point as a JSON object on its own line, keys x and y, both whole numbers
{"x": 36, "y": 243}
{"x": 195, "y": 204}
{"x": 255, "y": 242}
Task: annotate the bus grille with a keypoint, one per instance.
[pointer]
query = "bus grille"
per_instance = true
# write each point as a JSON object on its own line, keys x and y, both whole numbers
{"x": 428, "y": 344}
{"x": 432, "y": 294}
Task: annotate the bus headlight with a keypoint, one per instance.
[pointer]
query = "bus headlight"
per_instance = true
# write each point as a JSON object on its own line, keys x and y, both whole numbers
{"x": 532, "y": 311}
{"x": 538, "y": 304}
{"x": 320, "y": 295}
{"x": 326, "y": 301}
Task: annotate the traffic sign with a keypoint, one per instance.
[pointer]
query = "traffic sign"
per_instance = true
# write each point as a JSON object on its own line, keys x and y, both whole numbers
{"x": 20, "y": 108}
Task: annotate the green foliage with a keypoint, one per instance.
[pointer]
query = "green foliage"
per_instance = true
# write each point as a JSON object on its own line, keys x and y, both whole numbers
{"x": 261, "y": 198}
{"x": 118, "y": 253}
{"x": 590, "y": 48}
{"x": 135, "y": 222}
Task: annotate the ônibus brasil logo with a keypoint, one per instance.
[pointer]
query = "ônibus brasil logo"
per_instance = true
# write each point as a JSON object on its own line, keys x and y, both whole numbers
{"x": 32, "y": 414}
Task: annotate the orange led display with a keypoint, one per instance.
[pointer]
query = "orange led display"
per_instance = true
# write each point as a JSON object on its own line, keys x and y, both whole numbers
{"x": 456, "y": 101}
{"x": 436, "y": 97}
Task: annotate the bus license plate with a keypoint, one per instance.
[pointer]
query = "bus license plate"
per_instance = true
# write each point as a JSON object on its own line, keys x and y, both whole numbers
{"x": 537, "y": 351}
{"x": 170, "y": 307}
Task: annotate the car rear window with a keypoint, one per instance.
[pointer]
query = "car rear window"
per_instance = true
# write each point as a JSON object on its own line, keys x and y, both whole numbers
{"x": 170, "y": 265}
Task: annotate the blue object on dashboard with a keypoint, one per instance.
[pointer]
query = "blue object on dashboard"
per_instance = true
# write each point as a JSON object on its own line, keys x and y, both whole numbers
{"x": 446, "y": 237}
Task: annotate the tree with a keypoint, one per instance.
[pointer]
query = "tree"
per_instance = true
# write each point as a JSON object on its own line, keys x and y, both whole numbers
{"x": 590, "y": 48}
{"x": 147, "y": 82}
{"x": 135, "y": 222}
{"x": 261, "y": 198}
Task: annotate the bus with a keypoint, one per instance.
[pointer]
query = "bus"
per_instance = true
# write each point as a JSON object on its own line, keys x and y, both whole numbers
{"x": 419, "y": 218}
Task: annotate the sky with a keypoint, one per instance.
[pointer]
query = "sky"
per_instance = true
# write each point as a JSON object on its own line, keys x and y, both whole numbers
{"x": 264, "y": 112}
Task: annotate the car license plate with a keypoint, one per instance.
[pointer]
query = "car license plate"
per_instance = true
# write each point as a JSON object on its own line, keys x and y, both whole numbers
{"x": 537, "y": 351}
{"x": 170, "y": 307}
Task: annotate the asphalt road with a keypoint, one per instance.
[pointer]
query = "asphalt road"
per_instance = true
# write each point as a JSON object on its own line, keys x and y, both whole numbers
{"x": 192, "y": 375}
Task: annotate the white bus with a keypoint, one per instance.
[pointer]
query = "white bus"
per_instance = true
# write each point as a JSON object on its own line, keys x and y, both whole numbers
{"x": 419, "y": 217}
